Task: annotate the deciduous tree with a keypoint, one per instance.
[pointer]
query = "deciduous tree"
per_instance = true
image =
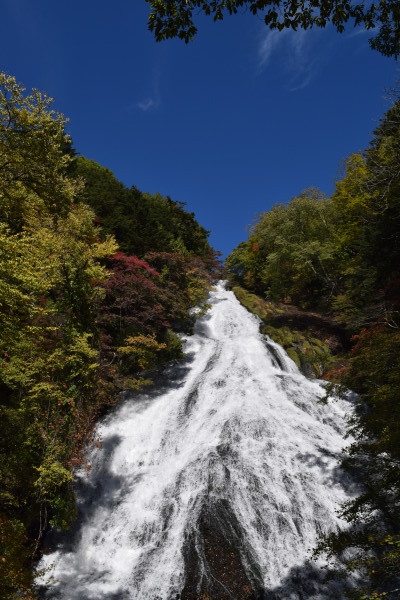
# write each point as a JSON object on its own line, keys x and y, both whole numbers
{"x": 174, "y": 18}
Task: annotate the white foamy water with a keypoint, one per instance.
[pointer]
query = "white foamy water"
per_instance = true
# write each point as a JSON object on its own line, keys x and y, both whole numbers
{"x": 238, "y": 424}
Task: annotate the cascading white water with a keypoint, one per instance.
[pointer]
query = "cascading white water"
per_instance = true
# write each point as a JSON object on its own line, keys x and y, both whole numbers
{"x": 233, "y": 429}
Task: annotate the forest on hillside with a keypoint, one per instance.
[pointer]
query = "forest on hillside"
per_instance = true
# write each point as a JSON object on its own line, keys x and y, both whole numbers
{"x": 335, "y": 261}
{"x": 97, "y": 280}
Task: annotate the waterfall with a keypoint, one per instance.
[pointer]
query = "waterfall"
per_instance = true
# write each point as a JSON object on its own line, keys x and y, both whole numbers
{"x": 214, "y": 484}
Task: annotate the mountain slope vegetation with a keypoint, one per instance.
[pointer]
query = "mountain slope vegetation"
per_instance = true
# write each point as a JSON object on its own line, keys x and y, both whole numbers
{"x": 96, "y": 281}
{"x": 340, "y": 256}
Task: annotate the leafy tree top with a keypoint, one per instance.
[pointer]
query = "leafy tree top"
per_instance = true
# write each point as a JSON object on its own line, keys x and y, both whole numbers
{"x": 33, "y": 156}
{"x": 140, "y": 222}
{"x": 174, "y": 18}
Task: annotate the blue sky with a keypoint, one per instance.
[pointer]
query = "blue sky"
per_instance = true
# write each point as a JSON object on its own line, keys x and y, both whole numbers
{"x": 232, "y": 123}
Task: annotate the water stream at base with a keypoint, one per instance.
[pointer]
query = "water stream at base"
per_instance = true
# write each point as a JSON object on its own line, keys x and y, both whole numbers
{"x": 231, "y": 464}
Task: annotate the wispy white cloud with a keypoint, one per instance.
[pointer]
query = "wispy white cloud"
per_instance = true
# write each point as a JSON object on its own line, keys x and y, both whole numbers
{"x": 293, "y": 51}
{"x": 362, "y": 31}
{"x": 153, "y": 100}
{"x": 268, "y": 46}
{"x": 148, "y": 104}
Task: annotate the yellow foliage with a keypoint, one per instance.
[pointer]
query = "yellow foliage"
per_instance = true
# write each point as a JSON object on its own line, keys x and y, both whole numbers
{"x": 52, "y": 476}
{"x": 142, "y": 349}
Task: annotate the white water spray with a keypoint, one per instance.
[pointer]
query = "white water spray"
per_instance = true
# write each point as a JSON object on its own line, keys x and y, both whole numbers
{"x": 239, "y": 425}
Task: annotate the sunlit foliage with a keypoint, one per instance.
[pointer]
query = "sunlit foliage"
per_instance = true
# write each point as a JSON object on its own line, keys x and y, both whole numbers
{"x": 342, "y": 255}
{"x": 79, "y": 319}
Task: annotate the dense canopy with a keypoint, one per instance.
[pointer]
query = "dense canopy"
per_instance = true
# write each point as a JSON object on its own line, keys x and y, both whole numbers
{"x": 340, "y": 256}
{"x": 79, "y": 318}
